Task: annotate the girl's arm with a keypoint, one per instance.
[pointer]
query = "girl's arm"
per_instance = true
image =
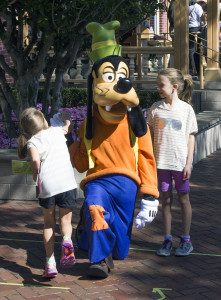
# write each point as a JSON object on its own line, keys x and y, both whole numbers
{"x": 78, "y": 152}
{"x": 147, "y": 166}
{"x": 152, "y": 134}
{"x": 68, "y": 127}
{"x": 187, "y": 169}
{"x": 35, "y": 162}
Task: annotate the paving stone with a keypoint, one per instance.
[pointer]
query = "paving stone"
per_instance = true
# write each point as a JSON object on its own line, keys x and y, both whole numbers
{"x": 197, "y": 276}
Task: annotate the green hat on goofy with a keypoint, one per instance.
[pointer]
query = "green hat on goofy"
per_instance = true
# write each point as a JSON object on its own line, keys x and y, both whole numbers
{"x": 103, "y": 40}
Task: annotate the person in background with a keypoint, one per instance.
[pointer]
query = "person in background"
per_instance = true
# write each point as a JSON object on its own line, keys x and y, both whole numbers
{"x": 173, "y": 124}
{"x": 196, "y": 12}
{"x": 202, "y": 36}
{"x": 170, "y": 16}
{"x": 52, "y": 169}
{"x": 145, "y": 23}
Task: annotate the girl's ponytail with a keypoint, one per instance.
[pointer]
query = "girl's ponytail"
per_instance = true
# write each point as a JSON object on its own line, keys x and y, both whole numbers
{"x": 22, "y": 146}
{"x": 186, "y": 93}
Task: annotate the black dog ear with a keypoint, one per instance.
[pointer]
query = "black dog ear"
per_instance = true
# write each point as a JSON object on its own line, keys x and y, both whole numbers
{"x": 89, "y": 132}
{"x": 137, "y": 121}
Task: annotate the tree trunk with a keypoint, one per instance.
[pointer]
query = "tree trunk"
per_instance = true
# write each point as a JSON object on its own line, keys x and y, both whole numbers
{"x": 61, "y": 67}
{"x": 46, "y": 95}
{"x": 7, "y": 93}
{"x": 57, "y": 99}
{"x": 33, "y": 92}
{"x": 23, "y": 97}
{"x": 46, "y": 92}
{"x": 27, "y": 93}
{"x": 6, "y": 111}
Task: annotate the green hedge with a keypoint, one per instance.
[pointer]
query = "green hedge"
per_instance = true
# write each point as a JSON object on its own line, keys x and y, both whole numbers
{"x": 78, "y": 96}
{"x": 73, "y": 97}
{"x": 147, "y": 97}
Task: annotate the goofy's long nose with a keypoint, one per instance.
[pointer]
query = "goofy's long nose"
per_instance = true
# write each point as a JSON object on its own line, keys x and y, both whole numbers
{"x": 124, "y": 85}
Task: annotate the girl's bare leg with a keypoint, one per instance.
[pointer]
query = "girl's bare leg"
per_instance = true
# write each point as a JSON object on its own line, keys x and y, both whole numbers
{"x": 167, "y": 200}
{"x": 67, "y": 249}
{"x": 49, "y": 230}
{"x": 186, "y": 212}
{"x": 65, "y": 217}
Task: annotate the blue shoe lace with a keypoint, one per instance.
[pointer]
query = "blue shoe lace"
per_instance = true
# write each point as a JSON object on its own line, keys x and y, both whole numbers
{"x": 165, "y": 244}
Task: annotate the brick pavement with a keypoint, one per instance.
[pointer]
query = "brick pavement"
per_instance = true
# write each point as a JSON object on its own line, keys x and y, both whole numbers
{"x": 194, "y": 277}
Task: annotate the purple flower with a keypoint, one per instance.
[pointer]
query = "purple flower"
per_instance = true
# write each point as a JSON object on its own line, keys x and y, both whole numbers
{"x": 77, "y": 115}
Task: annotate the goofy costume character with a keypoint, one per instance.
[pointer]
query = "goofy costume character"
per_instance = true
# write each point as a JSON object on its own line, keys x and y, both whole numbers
{"x": 115, "y": 149}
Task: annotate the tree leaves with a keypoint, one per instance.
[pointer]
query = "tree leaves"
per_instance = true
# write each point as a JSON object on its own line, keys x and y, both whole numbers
{"x": 59, "y": 25}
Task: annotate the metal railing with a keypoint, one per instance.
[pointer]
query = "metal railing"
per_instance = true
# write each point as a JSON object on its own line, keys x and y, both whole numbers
{"x": 140, "y": 59}
{"x": 201, "y": 49}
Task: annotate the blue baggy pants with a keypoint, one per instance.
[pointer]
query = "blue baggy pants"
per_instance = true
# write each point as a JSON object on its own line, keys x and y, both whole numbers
{"x": 108, "y": 212}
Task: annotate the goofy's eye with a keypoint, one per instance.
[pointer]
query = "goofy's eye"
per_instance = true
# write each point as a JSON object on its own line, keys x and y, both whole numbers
{"x": 121, "y": 75}
{"x": 108, "y": 77}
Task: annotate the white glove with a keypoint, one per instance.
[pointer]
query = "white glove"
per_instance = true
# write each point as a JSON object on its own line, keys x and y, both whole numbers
{"x": 56, "y": 121}
{"x": 147, "y": 213}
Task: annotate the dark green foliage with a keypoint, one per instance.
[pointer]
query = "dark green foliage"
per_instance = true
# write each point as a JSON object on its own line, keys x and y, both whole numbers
{"x": 73, "y": 97}
{"x": 76, "y": 97}
{"x": 57, "y": 26}
{"x": 147, "y": 97}
{"x": 40, "y": 95}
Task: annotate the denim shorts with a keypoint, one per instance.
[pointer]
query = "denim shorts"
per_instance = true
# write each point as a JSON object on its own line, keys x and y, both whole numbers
{"x": 63, "y": 200}
{"x": 165, "y": 181}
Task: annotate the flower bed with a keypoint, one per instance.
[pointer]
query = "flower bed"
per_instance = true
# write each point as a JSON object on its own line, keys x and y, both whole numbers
{"x": 6, "y": 142}
{"x": 77, "y": 116}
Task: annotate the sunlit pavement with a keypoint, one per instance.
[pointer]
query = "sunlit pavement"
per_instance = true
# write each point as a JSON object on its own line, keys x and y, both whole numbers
{"x": 143, "y": 275}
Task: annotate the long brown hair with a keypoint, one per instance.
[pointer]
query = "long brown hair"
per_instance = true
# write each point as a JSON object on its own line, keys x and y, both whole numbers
{"x": 32, "y": 121}
{"x": 185, "y": 84}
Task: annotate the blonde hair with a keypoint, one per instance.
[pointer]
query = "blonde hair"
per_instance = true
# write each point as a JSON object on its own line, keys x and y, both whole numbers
{"x": 185, "y": 84}
{"x": 32, "y": 121}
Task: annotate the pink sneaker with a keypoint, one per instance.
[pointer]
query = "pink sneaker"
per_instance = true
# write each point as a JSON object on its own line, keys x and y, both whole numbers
{"x": 50, "y": 270}
{"x": 67, "y": 254}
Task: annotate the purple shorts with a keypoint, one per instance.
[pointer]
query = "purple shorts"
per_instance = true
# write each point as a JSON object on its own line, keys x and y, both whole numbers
{"x": 165, "y": 181}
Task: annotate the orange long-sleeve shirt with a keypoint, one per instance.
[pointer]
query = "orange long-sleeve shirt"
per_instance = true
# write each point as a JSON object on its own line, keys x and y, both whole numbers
{"x": 114, "y": 154}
